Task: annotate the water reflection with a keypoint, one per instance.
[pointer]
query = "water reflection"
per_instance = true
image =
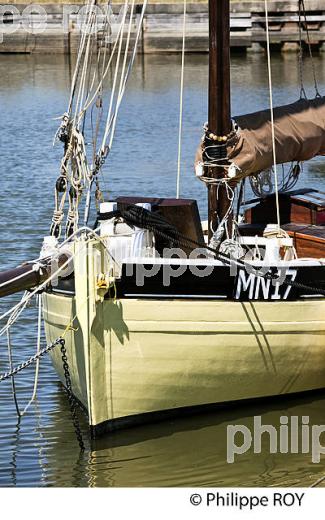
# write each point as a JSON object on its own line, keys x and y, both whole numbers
{"x": 189, "y": 451}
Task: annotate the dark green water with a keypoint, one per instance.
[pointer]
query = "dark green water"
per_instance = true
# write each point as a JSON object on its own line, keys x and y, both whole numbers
{"x": 42, "y": 450}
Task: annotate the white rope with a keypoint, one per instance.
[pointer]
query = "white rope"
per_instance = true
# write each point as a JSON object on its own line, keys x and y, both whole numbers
{"x": 19, "y": 307}
{"x": 7, "y": 282}
{"x": 180, "y": 126}
{"x": 117, "y": 64}
{"x": 87, "y": 84}
{"x": 91, "y": 97}
{"x": 14, "y": 313}
{"x": 231, "y": 197}
{"x": 84, "y": 74}
{"x": 11, "y": 320}
{"x": 13, "y": 384}
{"x": 76, "y": 154}
{"x": 276, "y": 185}
{"x": 79, "y": 55}
{"x": 112, "y": 123}
{"x": 100, "y": 51}
{"x": 38, "y": 349}
{"x": 123, "y": 75}
{"x": 30, "y": 295}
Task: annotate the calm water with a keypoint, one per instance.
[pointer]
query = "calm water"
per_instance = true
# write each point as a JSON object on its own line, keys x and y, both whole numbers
{"x": 41, "y": 450}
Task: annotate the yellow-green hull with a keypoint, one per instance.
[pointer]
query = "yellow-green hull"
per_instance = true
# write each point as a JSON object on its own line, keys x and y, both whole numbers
{"x": 137, "y": 356}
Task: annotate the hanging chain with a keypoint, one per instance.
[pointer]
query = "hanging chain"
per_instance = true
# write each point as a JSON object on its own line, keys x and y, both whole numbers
{"x": 31, "y": 360}
{"x": 72, "y": 400}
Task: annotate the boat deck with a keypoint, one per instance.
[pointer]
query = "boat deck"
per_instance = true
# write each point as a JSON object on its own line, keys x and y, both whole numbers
{"x": 309, "y": 240}
{"x": 302, "y": 216}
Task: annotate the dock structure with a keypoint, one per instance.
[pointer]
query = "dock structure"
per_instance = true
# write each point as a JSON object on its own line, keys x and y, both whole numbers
{"x": 55, "y": 27}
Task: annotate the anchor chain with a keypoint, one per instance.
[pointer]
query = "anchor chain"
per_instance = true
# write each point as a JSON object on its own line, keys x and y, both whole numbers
{"x": 30, "y": 361}
{"x": 72, "y": 400}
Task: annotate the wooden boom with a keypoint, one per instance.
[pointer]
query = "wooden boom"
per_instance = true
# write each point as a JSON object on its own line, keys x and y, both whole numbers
{"x": 27, "y": 276}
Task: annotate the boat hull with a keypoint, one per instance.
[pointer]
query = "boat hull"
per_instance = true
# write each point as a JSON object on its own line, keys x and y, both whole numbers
{"x": 143, "y": 356}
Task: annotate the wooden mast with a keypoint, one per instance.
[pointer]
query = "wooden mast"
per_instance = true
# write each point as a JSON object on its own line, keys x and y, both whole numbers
{"x": 219, "y": 121}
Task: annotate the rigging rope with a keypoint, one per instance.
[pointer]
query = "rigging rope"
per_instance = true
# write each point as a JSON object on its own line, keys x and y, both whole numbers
{"x": 13, "y": 383}
{"x": 301, "y": 7}
{"x": 38, "y": 350}
{"x": 68, "y": 384}
{"x": 112, "y": 123}
{"x": 12, "y": 370}
{"x": 276, "y": 187}
{"x": 91, "y": 4}
{"x": 303, "y": 94}
{"x": 117, "y": 64}
{"x": 19, "y": 307}
{"x": 75, "y": 168}
{"x": 14, "y": 313}
{"x": 126, "y": 50}
{"x": 291, "y": 178}
{"x": 90, "y": 100}
{"x": 180, "y": 127}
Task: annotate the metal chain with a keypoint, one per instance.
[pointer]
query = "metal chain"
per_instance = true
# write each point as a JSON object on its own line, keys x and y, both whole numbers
{"x": 72, "y": 399}
{"x": 32, "y": 359}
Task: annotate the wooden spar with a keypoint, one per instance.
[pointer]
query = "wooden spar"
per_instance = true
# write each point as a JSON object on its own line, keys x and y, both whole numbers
{"x": 20, "y": 279}
{"x": 27, "y": 276}
{"x": 219, "y": 98}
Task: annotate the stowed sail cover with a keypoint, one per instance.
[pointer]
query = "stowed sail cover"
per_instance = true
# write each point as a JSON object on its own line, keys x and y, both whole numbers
{"x": 299, "y": 135}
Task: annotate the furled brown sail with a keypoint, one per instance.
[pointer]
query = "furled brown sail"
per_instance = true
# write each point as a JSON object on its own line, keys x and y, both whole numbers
{"x": 299, "y": 135}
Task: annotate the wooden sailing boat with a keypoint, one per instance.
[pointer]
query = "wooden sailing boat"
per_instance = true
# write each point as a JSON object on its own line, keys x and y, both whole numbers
{"x": 246, "y": 328}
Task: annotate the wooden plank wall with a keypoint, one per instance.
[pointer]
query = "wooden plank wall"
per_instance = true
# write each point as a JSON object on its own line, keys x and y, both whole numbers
{"x": 162, "y": 30}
